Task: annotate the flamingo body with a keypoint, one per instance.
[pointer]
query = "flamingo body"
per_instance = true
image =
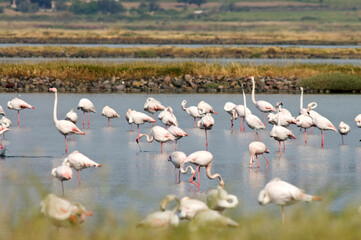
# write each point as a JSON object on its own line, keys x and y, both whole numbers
{"x": 86, "y": 106}
{"x": 109, "y": 113}
{"x": 256, "y": 148}
{"x": 71, "y": 116}
{"x": 190, "y": 207}
{"x": 18, "y": 104}
{"x": 218, "y": 199}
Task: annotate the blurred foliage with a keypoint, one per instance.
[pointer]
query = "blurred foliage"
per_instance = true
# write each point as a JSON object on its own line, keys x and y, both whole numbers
{"x": 335, "y": 82}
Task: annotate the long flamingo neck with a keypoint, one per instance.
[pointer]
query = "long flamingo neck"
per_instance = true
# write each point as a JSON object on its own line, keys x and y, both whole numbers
{"x": 184, "y": 171}
{"x": 253, "y": 90}
{"x": 149, "y": 139}
{"x": 55, "y": 108}
{"x": 245, "y": 104}
{"x": 184, "y": 106}
{"x": 301, "y": 100}
{"x": 209, "y": 175}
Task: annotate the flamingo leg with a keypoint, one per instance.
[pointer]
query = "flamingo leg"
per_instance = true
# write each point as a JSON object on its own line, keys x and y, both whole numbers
{"x": 66, "y": 144}
{"x": 192, "y": 177}
{"x": 311, "y": 130}
{"x": 161, "y": 147}
{"x": 194, "y": 123}
{"x": 176, "y": 145}
{"x": 283, "y": 214}
{"x": 88, "y": 119}
{"x": 1, "y": 146}
{"x": 179, "y": 176}
{"x": 138, "y": 131}
{"x": 153, "y": 118}
{"x": 79, "y": 177}
{"x": 322, "y": 143}
{"x": 83, "y": 119}
{"x": 265, "y": 158}
{"x": 199, "y": 172}
{"x": 257, "y": 161}
{"x": 264, "y": 118}
{"x": 279, "y": 144}
{"x": 284, "y": 145}
{"x": 305, "y": 136}
{"x": 206, "y": 139}
{"x": 250, "y": 162}
{"x": 175, "y": 174}
{"x": 109, "y": 122}
{"x": 241, "y": 120}
{"x": 244, "y": 125}
{"x": 18, "y": 118}
{"x": 257, "y": 136}
{"x": 231, "y": 123}
{"x": 342, "y": 139}
{"x": 62, "y": 187}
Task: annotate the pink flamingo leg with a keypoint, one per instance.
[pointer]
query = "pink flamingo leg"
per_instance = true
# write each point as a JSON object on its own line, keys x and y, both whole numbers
{"x": 257, "y": 136}
{"x": 83, "y": 119}
{"x": 241, "y": 120}
{"x": 1, "y": 146}
{"x": 322, "y": 143}
{"x": 265, "y": 158}
{"x": 88, "y": 119}
{"x": 153, "y": 118}
{"x": 161, "y": 147}
{"x": 232, "y": 123}
{"x": 138, "y": 132}
{"x": 18, "y": 118}
{"x": 66, "y": 144}
{"x": 194, "y": 123}
{"x": 62, "y": 187}
{"x": 257, "y": 161}
{"x": 206, "y": 140}
{"x": 279, "y": 144}
{"x": 175, "y": 145}
{"x": 311, "y": 130}
{"x": 264, "y": 118}
{"x": 79, "y": 177}
{"x": 199, "y": 173}
{"x": 342, "y": 139}
{"x": 109, "y": 122}
{"x": 284, "y": 145}
{"x": 305, "y": 136}
{"x": 192, "y": 177}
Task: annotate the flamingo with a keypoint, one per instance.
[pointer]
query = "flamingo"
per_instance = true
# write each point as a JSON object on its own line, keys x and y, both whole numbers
{"x": 240, "y": 109}
{"x": 18, "y": 104}
{"x": 176, "y": 158}
{"x": 281, "y": 134}
{"x": 204, "y": 108}
{"x": 283, "y": 114}
{"x": 159, "y": 134}
{"x": 210, "y": 219}
{"x": 229, "y": 107}
{"x": 178, "y": 133}
{"x": 206, "y": 123}
{"x": 109, "y": 113}
{"x": 256, "y": 148}
{"x": 358, "y": 120}
{"x": 2, "y": 131}
{"x": 63, "y": 173}
{"x": 218, "y": 199}
{"x": 163, "y": 218}
{"x": 152, "y": 105}
{"x": 72, "y": 116}
{"x": 252, "y": 120}
{"x": 5, "y": 122}
{"x": 343, "y": 129}
{"x": 2, "y": 111}
{"x": 303, "y": 120}
{"x": 79, "y": 161}
{"x": 190, "y": 207}
{"x": 63, "y": 213}
{"x": 283, "y": 194}
{"x": 192, "y": 111}
{"x": 202, "y": 159}
{"x": 138, "y": 118}
{"x": 168, "y": 118}
{"x": 127, "y": 117}
{"x": 86, "y": 106}
{"x": 65, "y": 127}
{"x": 320, "y": 121}
{"x": 263, "y": 106}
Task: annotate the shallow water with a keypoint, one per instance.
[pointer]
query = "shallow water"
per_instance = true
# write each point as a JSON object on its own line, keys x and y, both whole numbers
{"x": 130, "y": 179}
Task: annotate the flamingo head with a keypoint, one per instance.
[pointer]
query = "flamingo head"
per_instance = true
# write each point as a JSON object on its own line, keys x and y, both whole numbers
{"x": 267, "y": 150}
{"x": 279, "y": 104}
{"x": 263, "y": 198}
{"x": 53, "y": 90}
{"x": 221, "y": 183}
{"x": 250, "y": 78}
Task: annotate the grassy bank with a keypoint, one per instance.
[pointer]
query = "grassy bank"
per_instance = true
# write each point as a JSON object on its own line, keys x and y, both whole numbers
{"x": 181, "y": 52}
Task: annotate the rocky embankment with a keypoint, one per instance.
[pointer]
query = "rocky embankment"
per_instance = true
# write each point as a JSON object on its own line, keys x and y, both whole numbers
{"x": 166, "y": 84}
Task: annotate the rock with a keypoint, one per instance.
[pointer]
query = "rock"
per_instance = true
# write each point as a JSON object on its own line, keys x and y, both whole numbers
{"x": 121, "y": 87}
{"x": 187, "y": 77}
{"x": 166, "y": 80}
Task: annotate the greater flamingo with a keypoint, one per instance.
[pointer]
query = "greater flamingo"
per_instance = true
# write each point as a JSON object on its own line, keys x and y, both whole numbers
{"x": 163, "y": 218}
{"x": 204, "y": 108}
{"x": 2, "y": 111}
{"x": 358, "y": 120}
{"x": 63, "y": 173}
{"x": 343, "y": 129}
{"x": 65, "y": 127}
{"x": 152, "y": 105}
{"x": 5, "y": 122}
{"x": 256, "y": 148}
{"x": 138, "y": 118}
{"x": 211, "y": 219}
{"x": 127, "y": 117}
{"x": 168, "y": 118}
{"x": 71, "y": 116}
{"x": 283, "y": 115}
{"x": 303, "y": 120}
{"x": 202, "y": 159}
{"x": 241, "y": 112}
{"x": 159, "y": 134}
{"x": 283, "y": 194}
{"x": 190, "y": 207}
{"x": 86, "y": 106}
{"x": 218, "y": 199}
{"x": 192, "y": 111}
{"x": 109, "y": 113}
{"x": 252, "y": 120}
{"x": 206, "y": 123}
{"x": 230, "y": 108}
{"x": 78, "y": 161}
{"x": 176, "y": 158}
{"x": 18, "y": 104}
{"x": 178, "y": 133}
{"x": 63, "y": 213}
{"x": 263, "y": 106}
{"x": 320, "y": 122}
{"x": 2, "y": 131}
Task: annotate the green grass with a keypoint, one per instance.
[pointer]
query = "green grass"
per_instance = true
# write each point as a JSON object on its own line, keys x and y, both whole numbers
{"x": 337, "y": 82}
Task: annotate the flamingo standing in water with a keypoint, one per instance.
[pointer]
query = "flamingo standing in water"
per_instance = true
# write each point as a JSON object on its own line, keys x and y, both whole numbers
{"x": 320, "y": 122}
{"x": 256, "y": 148}
{"x": 202, "y": 159}
{"x": 18, "y": 104}
{"x": 178, "y": 133}
{"x": 343, "y": 129}
{"x": 159, "y": 134}
{"x": 176, "y": 158}
{"x": 127, "y": 117}
{"x": 65, "y": 127}
{"x": 192, "y": 111}
{"x": 71, "y": 116}
{"x": 358, "y": 120}
{"x": 230, "y": 108}
{"x": 152, "y": 106}
{"x": 79, "y": 161}
{"x": 303, "y": 120}
{"x": 168, "y": 118}
{"x": 206, "y": 123}
{"x": 138, "y": 118}
{"x": 204, "y": 108}
{"x": 252, "y": 120}
{"x": 109, "y": 113}
{"x": 86, "y": 106}
{"x": 5, "y": 122}
{"x": 263, "y": 106}
{"x": 2, "y": 131}
{"x": 283, "y": 194}
{"x": 63, "y": 173}
{"x": 241, "y": 112}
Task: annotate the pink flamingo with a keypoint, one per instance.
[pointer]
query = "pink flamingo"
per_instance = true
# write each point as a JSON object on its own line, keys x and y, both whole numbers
{"x": 2, "y": 131}
{"x": 65, "y": 127}
{"x": 206, "y": 123}
{"x": 230, "y": 108}
{"x": 176, "y": 158}
{"x": 192, "y": 111}
{"x": 252, "y": 120}
{"x": 320, "y": 122}
{"x": 168, "y": 118}
{"x": 256, "y": 148}
{"x": 152, "y": 106}
{"x": 86, "y": 106}
{"x": 358, "y": 120}
{"x": 204, "y": 108}
{"x": 109, "y": 113}
{"x": 159, "y": 134}
{"x": 178, "y": 133}
{"x": 18, "y": 104}
{"x": 79, "y": 161}
{"x": 343, "y": 129}
{"x": 138, "y": 118}
{"x": 63, "y": 173}
{"x": 263, "y": 106}
{"x": 202, "y": 159}
{"x": 240, "y": 109}
{"x": 127, "y": 117}
{"x": 72, "y": 116}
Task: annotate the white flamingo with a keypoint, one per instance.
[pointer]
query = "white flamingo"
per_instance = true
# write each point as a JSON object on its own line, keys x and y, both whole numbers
{"x": 190, "y": 207}
{"x": 86, "y": 106}
{"x": 2, "y": 111}
{"x": 263, "y": 106}
{"x": 192, "y": 111}
{"x": 206, "y": 123}
{"x": 204, "y": 108}
{"x": 18, "y": 104}
{"x": 63, "y": 173}
{"x": 176, "y": 158}
{"x": 241, "y": 112}
{"x": 65, "y": 127}
{"x": 230, "y": 108}
{"x": 127, "y": 117}
{"x": 178, "y": 133}
{"x": 159, "y": 134}
{"x": 210, "y": 219}
{"x": 138, "y": 118}
{"x": 71, "y": 116}
{"x": 78, "y": 161}
{"x": 343, "y": 129}
{"x": 358, "y": 120}
{"x": 168, "y": 118}
{"x": 256, "y": 148}
{"x": 303, "y": 120}
{"x": 5, "y": 122}
{"x": 283, "y": 194}
{"x": 152, "y": 105}
{"x": 109, "y": 113}
{"x": 218, "y": 199}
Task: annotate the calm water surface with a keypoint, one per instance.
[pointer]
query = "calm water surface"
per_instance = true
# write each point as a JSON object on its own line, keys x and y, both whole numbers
{"x": 130, "y": 179}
